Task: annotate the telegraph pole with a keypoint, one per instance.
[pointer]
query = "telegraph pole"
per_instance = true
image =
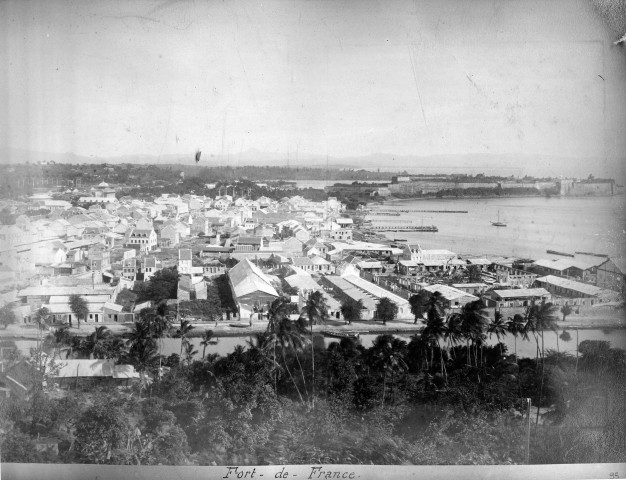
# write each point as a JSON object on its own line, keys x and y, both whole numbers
{"x": 528, "y": 435}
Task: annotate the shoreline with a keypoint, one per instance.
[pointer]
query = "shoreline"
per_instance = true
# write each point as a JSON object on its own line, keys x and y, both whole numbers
{"x": 393, "y": 200}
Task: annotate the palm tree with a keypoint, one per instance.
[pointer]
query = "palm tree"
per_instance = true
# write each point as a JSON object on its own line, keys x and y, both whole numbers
{"x": 182, "y": 332}
{"x": 62, "y": 336}
{"x": 276, "y": 312}
{"x": 453, "y": 331}
{"x": 515, "y": 326}
{"x": 389, "y": 355}
{"x": 543, "y": 317}
{"x": 190, "y": 351}
{"x": 474, "y": 321}
{"x": 316, "y": 312}
{"x": 261, "y": 345}
{"x": 207, "y": 339}
{"x": 94, "y": 343}
{"x": 497, "y": 327}
{"x": 41, "y": 319}
{"x": 435, "y": 330}
{"x": 143, "y": 349}
{"x": 434, "y": 305}
{"x": 288, "y": 336}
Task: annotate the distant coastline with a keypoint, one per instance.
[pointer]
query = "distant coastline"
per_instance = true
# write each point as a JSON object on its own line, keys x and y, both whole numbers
{"x": 480, "y": 197}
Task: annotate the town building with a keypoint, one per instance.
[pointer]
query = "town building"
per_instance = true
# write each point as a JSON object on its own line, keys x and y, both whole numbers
{"x": 610, "y": 274}
{"x": 250, "y": 287}
{"x": 516, "y": 297}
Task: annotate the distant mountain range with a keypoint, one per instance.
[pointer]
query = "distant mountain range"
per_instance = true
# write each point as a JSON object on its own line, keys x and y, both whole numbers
{"x": 496, "y": 164}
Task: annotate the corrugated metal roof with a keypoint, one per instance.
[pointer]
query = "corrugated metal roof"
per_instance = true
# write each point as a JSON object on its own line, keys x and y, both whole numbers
{"x": 375, "y": 290}
{"x": 303, "y": 282}
{"x": 522, "y": 292}
{"x": 353, "y": 292}
{"x": 449, "y": 293}
{"x": 88, "y": 299}
{"x": 47, "y": 290}
{"x": 247, "y": 278}
{"x": 64, "y": 308}
{"x": 570, "y": 285}
{"x": 85, "y": 368}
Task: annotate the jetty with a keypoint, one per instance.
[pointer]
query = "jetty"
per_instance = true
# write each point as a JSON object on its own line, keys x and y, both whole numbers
{"x": 383, "y": 220}
{"x": 416, "y": 211}
{"x": 403, "y": 228}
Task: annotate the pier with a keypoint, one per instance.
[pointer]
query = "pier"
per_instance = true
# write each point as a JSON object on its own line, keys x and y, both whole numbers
{"x": 375, "y": 212}
{"x": 403, "y": 228}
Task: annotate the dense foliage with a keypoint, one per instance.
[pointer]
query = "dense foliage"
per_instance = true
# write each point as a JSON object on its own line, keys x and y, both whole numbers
{"x": 440, "y": 397}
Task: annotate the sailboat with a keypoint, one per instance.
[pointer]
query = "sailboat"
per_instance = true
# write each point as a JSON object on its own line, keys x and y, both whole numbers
{"x": 498, "y": 223}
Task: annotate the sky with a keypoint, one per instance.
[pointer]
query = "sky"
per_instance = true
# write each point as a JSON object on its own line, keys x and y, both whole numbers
{"x": 339, "y": 78}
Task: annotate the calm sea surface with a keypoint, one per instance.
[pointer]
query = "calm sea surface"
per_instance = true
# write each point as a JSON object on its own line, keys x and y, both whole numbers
{"x": 535, "y": 224}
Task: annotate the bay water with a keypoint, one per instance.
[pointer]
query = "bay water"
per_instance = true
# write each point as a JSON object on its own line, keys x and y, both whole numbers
{"x": 534, "y": 225}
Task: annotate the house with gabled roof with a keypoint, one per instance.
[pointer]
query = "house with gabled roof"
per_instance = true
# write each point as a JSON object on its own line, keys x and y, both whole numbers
{"x": 185, "y": 261}
{"x": 143, "y": 239}
{"x": 304, "y": 263}
{"x": 129, "y": 268}
{"x": 314, "y": 246}
{"x": 149, "y": 267}
{"x": 321, "y": 265}
{"x": 20, "y": 380}
{"x": 88, "y": 372}
{"x": 564, "y": 287}
{"x": 250, "y": 287}
{"x": 99, "y": 257}
{"x": 249, "y": 244}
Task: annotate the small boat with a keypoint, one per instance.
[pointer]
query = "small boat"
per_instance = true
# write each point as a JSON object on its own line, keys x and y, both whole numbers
{"x": 340, "y": 334}
{"x": 239, "y": 325}
{"x": 498, "y": 223}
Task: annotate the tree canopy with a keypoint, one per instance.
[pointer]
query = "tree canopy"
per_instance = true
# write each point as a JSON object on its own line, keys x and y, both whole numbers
{"x": 386, "y": 309}
{"x": 162, "y": 286}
